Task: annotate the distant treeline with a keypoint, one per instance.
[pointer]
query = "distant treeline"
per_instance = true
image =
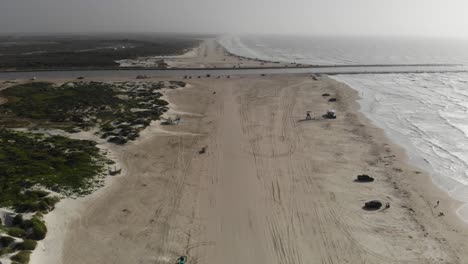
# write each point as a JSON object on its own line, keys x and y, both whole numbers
{"x": 53, "y": 52}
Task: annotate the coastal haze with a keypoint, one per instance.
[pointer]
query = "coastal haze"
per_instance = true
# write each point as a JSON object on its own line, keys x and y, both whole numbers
{"x": 280, "y": 132}
{"x": 335, "y": 17}
{"x": 350, "y": 50}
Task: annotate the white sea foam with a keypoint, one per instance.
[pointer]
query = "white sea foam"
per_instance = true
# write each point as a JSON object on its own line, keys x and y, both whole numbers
{"x": 234, "y": 45}
{"x": 427, "y": 114}
{"x": 348, "y": 50}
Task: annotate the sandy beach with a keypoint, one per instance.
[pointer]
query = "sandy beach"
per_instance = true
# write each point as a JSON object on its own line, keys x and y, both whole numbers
{"x": 209, "y": 54}
{"x": 270, "y": 188}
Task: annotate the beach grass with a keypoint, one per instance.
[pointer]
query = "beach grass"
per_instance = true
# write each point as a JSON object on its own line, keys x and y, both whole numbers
{"x": 32, "y": 166}
{"x": 21, "y": 257}
{"x": 55, "y": 163}
{"x": 119, "y": 111}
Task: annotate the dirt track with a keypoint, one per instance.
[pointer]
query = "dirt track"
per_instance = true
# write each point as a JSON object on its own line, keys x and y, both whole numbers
{"x": 269, "y": 189}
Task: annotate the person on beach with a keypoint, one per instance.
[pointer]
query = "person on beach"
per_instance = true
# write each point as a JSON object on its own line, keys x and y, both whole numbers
{"x": 308, "y": 116}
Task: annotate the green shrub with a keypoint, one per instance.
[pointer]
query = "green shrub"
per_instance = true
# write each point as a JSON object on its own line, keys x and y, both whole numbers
{"x": 22, "y": 257}
{"x": 6, "y": 241}
{"x": 39, "y": 229}
{"x": 39, "y": 215}
{"x": 27, "y": 244}
{"x": 28, "y": 206}
{"x": 107, "y": 127}
{"x": 37, "y": 193}
{"x": 94, "y": 101}
{"x": 6, "y": 250}
{"x": 43, "y": 206}
{"x": 18, "y": 220}
{"x": 16, "y": 232}
{"x": 57, "y": 163}
{"x": 51, "y": 201}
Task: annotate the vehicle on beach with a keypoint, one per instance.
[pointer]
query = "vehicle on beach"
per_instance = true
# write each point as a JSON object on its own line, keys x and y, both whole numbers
{"x": 170, "y": 121}
{"x": 182, "y": 260}
{"x": 331, "y": 114}
{"x": 372, "y": 205}
{"x": 364, "y": 178}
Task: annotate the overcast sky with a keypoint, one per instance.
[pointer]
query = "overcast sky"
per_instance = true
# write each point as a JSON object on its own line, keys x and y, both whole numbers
{"x": 360, "y": 17}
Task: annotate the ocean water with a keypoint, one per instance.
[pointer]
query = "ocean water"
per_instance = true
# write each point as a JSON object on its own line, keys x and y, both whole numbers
{"x": 349, "y": 50}
{"x": 426, "y": 113}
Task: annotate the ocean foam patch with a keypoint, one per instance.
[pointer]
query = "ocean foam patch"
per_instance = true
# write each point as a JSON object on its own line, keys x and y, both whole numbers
{"x": 427, "y": 114}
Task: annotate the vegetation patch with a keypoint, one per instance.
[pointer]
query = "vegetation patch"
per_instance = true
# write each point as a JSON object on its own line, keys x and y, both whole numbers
{"x": 119, "y": 110}
{"x": 27, "y": 232}
{"x": 34, "y": 165}
{"x": 35, "y": 228}
{"x": 27, "y": 244}
{"x": 5, "y": 251}
{"x": 32, "y": 52}
{"x": 6, "y": 241}
{"x": 56, "y": 163}
{"x": 22, "y": 257}
{"x": 16, "y": 232}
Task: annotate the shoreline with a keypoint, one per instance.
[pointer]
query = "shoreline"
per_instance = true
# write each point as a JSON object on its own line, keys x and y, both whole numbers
{"x": 429, "y": 188}
{"x": 294, "y": 185}
{"x": 414, "y": 157}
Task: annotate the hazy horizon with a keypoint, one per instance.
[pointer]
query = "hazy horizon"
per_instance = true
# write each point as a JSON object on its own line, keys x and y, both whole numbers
{"x": 431, "y": 18}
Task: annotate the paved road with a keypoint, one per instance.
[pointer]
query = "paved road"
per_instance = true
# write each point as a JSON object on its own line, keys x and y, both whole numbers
{"x": 345, "y": 69}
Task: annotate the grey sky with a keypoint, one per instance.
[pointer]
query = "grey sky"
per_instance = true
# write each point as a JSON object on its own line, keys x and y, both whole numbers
{"x": 368, "y": 17}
